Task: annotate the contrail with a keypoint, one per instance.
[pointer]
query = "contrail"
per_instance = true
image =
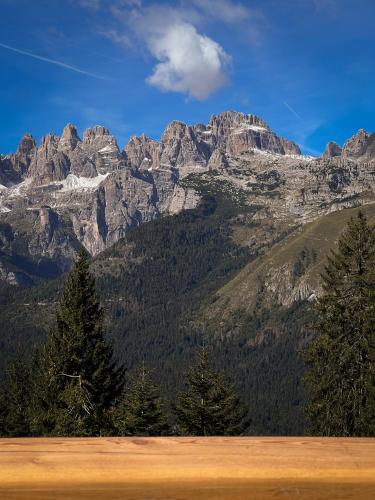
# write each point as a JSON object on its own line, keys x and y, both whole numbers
{"x": 293, "y": 111}
{"x": 52, "y": 61}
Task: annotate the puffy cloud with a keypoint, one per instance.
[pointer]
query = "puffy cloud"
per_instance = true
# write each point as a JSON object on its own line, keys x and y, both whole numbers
{"x": 190, "y": 62}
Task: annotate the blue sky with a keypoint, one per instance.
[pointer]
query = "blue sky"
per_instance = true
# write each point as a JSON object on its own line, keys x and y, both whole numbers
{"x": 306, "y": 66}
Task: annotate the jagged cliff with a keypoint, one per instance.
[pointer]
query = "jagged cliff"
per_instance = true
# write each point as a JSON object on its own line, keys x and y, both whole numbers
{"x": 69, "y": 191}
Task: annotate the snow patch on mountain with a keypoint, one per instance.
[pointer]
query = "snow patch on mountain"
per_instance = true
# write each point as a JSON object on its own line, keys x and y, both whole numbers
{"x": 74, "y": 183}
{"x": 246, "y": 126}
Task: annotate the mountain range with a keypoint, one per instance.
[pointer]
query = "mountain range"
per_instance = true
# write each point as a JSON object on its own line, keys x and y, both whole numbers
{"x": 218, "y": 231}
{"x": 69, "y": 191}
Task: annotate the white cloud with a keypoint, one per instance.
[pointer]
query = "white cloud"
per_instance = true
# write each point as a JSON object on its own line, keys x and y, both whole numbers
{"x": 189, "y": 62}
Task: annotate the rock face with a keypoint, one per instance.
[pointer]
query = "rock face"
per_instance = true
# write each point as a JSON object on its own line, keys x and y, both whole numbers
{"x": 362, "y": 144}
{"x": 49, "y": 164}
{"x": 142, "y": 152}
{"x": 69, "y": 191}
{"x": 69, "y": 138}
{"x": 13, "y": 167}
{"x": 332, "y": 150}
{"x": 236, "y": 133}
{"x": 190, "y": 146}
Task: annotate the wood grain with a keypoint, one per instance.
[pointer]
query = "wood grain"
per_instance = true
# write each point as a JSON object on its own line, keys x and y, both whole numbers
{"x": 187, "y": 468}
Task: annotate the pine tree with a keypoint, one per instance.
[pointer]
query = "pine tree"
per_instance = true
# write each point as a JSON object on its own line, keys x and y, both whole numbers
{"x": 341, "y": 377}
{"x": 141, "y": 411}
{"x": 76, "y": 379}
{"x": 15, "y": 399}
{"x": 210, "y": 405}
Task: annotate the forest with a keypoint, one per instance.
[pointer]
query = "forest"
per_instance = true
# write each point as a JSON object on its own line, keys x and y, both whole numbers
{"x": 154, "y": 287}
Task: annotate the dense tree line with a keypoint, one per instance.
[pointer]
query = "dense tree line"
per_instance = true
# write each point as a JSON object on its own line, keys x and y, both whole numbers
{"x": 154, "y": 285}
{"x": 73, "y": 386}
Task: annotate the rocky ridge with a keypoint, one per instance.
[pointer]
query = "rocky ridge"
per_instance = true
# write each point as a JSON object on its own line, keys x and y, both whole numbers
{"x": 69, "y": 191}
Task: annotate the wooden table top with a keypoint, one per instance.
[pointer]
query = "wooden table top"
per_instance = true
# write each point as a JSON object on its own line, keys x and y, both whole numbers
{"x": 187, "y": 468}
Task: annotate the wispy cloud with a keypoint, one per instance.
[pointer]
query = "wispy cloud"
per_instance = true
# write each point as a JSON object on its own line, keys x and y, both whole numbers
{"x": 303, "y": 130}
{"x": 293, "y": 111}
{"x": 53, "y": 61}
{"x": 303, "y": 133}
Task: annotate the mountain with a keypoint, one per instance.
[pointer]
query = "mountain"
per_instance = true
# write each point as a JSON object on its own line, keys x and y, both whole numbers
{"x": 216, "y": 231}
{"x": 69, "y": 192}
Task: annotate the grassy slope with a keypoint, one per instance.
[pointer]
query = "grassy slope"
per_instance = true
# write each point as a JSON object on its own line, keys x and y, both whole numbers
{"x": 320, "y": 235}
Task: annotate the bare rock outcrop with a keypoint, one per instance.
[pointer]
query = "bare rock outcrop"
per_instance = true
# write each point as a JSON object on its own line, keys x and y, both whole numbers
{"x": 102, "y": 149}
{"x": 200, "y": 146}
{"x": 237, "y": 133}
{"x": 14, "y": 166}
{"x": 142, "y": 152}
{"x": 70, "y": 192}
{"x": 332, "y": 150}
{"x": 180, "y": 147}
{"x": 357, "y": 145}
{"x": 69, "y": 138}
{"x": 49, "y": 164}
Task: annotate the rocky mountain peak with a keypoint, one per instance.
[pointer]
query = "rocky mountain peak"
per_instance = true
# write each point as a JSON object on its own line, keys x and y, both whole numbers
{"x": 49, "y": 140}
{"x": 237, "y": 132}
{"x": 180, "y": 147}
{"x": 48, "y": 163}
{"x": 228, "y": 121}
{"x": 98, "y": 138}
{"x": 14, "y": 166}
{"x": 356, "y": 146}
{"x": 332, "y": 150}
{"x": 175, "y": 130}
{"x": 185, "y": 146}
{"x": 27, "y": 145}
{"x": 93, "y": 133}
{"x": 69, "y": 137}
{"x": 142, "y": 152}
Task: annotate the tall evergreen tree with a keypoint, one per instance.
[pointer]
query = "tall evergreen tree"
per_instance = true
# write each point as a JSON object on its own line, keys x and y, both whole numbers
{"x": 210, "y": 406}
{"x": 76, "y": 379}
{"x": 141, "y": 411}
{"x": 15, "y": 399}
{"x": 341, "y": 378}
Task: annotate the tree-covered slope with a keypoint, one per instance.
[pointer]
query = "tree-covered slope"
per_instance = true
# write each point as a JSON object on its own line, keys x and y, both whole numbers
{"x": 200, "y": 276}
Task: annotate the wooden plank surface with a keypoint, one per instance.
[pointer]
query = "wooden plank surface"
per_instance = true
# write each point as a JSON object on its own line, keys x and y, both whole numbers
{"x": 187, "y": 468}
